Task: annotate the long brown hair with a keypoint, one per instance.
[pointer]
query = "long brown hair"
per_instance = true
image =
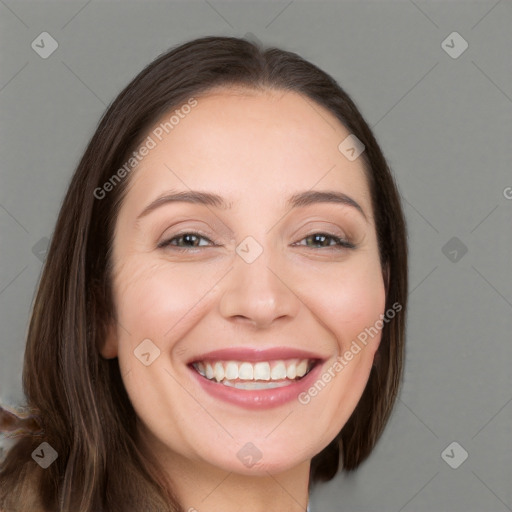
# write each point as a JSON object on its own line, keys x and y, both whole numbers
{"x": 79, "y": 397}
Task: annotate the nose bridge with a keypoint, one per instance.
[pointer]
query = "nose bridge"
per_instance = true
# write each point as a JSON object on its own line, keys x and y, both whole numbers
{"x": 256, "y": 288}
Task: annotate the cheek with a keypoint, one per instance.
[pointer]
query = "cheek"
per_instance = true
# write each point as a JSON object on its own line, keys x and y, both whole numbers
{"x": 349, "y": 301}
{"x": 159, "y": 301}
{"x": 348, "y": 305}
{"x": 156, "y": 300}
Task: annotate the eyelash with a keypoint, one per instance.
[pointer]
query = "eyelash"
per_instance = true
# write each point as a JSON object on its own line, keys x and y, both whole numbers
{"x": 339, "y": 243}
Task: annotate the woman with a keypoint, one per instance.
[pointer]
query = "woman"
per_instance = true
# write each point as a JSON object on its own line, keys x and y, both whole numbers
{"x": 220, "y": 320}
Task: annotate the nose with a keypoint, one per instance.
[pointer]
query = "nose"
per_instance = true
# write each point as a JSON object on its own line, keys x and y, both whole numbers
{"x": 258, "y": 294}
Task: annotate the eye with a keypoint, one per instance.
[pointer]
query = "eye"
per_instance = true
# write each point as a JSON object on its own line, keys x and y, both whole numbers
{"x": 186, "y": 241}
{"x": 193, "y": 240}
{"x": 322, "y": 240}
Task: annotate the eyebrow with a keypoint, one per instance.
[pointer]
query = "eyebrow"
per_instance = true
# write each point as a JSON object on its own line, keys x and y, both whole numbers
{"x": 295, "y": 201}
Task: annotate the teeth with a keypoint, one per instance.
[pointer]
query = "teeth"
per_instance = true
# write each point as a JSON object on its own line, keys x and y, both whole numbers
{"x": 229, "y": 371}
{"x": 261, "y": 371}
{"x": 302, "y": 368}
{"x": 255, "y": 385}
{"x": 245, "y": 371}
{"x": 291, "y": 371}
{"x": 201, "y": 369}
{"x": 279, "y": 371}
{"x": 218, "y": 371}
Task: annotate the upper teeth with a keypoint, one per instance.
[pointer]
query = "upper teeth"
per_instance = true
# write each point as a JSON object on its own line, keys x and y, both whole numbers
{"x": 262, "y": 370}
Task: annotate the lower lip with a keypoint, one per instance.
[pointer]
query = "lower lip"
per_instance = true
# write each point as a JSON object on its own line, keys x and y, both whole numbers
{"x": 258, "y": 398}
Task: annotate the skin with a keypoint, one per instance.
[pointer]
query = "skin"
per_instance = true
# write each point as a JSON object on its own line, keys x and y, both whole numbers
{"x": 255, "y": 149}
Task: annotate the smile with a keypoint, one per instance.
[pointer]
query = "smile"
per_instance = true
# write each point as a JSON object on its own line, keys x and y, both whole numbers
{"x": 255, "y": 375}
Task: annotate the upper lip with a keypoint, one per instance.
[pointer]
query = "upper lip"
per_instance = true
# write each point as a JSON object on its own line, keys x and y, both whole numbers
{"x": 255, "y": 354}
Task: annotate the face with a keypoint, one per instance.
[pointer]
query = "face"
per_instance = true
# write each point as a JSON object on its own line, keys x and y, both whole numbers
{"x": 262, "y": 265}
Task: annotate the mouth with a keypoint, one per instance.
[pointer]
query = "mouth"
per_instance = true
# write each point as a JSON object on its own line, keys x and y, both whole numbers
{"x": 254, "y": 375}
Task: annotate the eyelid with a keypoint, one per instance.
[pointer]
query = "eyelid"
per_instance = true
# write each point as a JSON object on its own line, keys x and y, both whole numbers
{"x": 316, "y": 226}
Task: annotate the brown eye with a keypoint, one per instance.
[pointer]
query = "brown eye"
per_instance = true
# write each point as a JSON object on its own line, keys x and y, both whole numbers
{"x": 321, "y": 240}
{"x": 186, "y": 240}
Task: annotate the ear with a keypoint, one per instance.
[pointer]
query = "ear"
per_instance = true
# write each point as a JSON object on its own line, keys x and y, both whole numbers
{"x": 108, "y": 346}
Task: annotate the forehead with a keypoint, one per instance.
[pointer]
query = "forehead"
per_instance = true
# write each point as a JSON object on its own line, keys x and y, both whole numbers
{"x": 248, "y": 144}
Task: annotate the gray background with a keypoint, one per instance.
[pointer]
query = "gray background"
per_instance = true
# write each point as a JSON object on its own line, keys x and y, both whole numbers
{"x": 444, "y": 124}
